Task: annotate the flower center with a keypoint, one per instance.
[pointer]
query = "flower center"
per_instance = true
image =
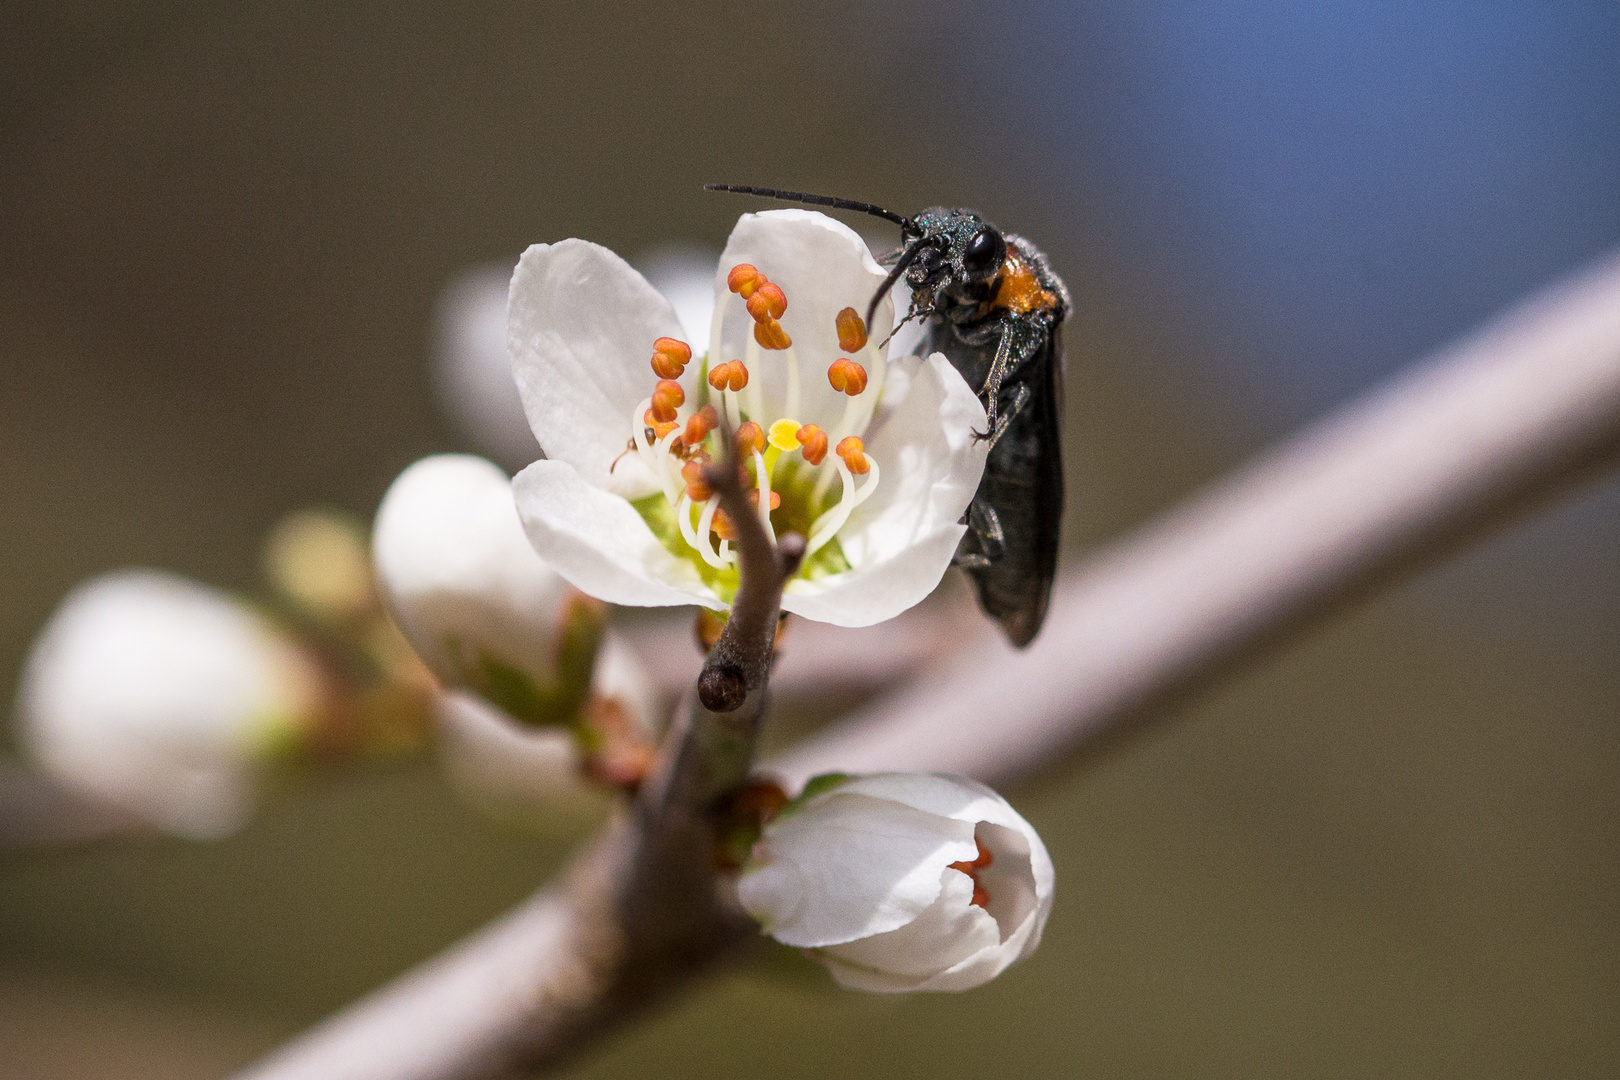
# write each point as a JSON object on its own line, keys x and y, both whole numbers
{"x": 981, "y": 895}
{"x": 786, "y": 466}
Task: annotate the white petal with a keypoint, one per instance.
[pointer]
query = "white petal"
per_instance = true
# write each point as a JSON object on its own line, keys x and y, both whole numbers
{"x": 580, "y": 329}
{"x": 823, "y": 266}
{"x": 159, "y": 694}
{"x": 849, "y": 866}
{"x": 459, "y": 572}
{"x": 509, "y": 767}
{"x": 685, "y": 277}
{"x": 471, "y": 369}
{"x": 949, "y": 932}
{"x": 964, "y": 799}
{"x": 879, "y": 591}
{"x": 900, "y": 541}
{"x": 600, "y": 544}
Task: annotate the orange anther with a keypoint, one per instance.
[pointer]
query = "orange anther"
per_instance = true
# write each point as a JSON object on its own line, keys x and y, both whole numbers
{"x": 732, "y": 375}
{"x": 753, "y": 497}
{"x": 768, "y": 302}
{"x": 667, "y": 397}
{"x": 847, "y": 377}
{"x": 670, "y": 357}
{"x": 750, "y": 439}
{"x": 851, "y": 330}
{"x": 697, "y": 483}
{"x": 981, "y": 896}
{"x": 770, "y": 335}
{"x": 812, "y": 443}
{"x": 698, "y": 426}
{"x": 659, "y": 428}
{"x": 744, "y": 279}
{"x": 853, "y": 451}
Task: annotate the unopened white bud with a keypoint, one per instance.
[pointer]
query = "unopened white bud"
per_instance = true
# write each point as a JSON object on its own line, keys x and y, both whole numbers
{"x": 902, "y": 881}
{"x": 162, "y": 696}
{"x": 462, "y": 580}
{"x": 534, "y": 775}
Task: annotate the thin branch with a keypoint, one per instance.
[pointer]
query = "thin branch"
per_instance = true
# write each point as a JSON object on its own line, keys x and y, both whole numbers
{"x": 1438, "y": 456}
{"x": 639, "y": 912}
{"x": 1387, "y": 483}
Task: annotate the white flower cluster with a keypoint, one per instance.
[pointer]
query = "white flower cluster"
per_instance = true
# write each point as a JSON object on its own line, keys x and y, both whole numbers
{"x": 164, "y": 696}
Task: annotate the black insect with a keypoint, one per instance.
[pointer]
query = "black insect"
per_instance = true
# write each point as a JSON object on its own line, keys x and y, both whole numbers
{"x": 994, "y": 307}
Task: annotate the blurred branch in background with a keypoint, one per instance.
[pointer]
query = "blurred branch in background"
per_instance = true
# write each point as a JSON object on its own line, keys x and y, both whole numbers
{"x": 1521, "y": 409}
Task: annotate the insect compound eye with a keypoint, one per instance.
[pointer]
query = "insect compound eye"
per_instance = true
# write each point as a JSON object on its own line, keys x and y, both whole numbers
{"x": 984, "y": 252}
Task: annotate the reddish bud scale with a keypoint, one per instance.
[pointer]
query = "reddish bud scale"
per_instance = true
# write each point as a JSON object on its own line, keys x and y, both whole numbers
{"x": 851, "y": 330}
{"x": 812, "y": 443}
{"x": 847, "y": 377}
{"x": 853, "y": 451}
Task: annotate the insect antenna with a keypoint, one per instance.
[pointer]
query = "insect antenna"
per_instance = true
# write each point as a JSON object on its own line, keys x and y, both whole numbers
{"x": 817, "y": 200}
{"x": 907, "y": 257}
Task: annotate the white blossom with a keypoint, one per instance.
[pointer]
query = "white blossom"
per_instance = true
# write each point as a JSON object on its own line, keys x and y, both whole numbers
{"x": 163, "y": 696}
{"x": 473, "y": 374}
{"x": 874, "y": 466}
{"x": 902, "y": 881}
{"x": 487, "y": 615}
{"x": 464, "y": 584}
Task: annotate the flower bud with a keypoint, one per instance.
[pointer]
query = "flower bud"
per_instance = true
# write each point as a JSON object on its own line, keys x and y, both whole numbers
{"x": 483, "y": 610}
{"x": 901, "y": 881}
{"x": 163, "y": 696}
{"x": 533, "y": 776}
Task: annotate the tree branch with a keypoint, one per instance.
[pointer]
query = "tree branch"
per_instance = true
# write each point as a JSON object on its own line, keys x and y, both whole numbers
{"x": 1384, "y": 485}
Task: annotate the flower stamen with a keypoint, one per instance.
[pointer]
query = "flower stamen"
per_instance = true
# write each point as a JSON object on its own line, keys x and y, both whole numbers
{"x": 981, "y": 896}
{"x": 847, "y": 377}
{"x": 851, "y": 330}
{"x": 670, "y": 357}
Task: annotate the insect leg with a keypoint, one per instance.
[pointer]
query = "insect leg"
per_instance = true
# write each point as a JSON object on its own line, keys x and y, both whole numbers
{"x": 1020, "y": 399}
{"x": 984, "y": 531}
{"x": 992, "y": 382}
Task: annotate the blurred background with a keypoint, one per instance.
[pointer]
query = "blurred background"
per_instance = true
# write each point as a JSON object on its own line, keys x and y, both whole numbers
{"x": 1390, "y": 849}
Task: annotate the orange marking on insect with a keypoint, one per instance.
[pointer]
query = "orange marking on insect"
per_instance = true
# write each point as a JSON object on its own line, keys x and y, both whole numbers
{"x": 1018, "y": 289}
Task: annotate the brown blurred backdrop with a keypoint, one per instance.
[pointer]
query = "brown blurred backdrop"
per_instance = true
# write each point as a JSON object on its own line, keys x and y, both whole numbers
{"x": 1388, "y": 850}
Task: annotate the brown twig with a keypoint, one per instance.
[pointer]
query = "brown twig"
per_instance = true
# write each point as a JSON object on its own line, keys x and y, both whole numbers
{"x": 1434, "y": 458}
{"x": 640, "y": 911}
